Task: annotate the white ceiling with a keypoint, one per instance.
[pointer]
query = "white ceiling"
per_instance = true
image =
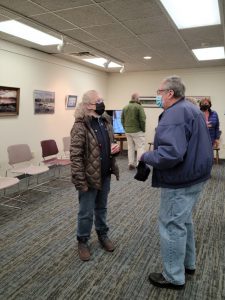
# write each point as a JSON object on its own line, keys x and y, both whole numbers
{"x": 123, "y": 30}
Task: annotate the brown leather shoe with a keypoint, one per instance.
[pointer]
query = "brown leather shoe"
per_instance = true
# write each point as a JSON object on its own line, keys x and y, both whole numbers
{"x": 84, "y": 251}
{"x": 107, "y": 244}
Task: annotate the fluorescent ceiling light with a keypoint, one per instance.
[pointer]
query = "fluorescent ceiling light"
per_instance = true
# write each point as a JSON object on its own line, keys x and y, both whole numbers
{"x": 147, "y": 57}
{"x": 100, "y": 61}
{"x": 28, "y": 33}
{"x": 209, "y": 53}
{"x": 193, "y": 13}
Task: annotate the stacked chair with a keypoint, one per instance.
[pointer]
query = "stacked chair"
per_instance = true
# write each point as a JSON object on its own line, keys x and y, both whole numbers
{"x": 50, "y": 154}
{"x": 21, "y": 154}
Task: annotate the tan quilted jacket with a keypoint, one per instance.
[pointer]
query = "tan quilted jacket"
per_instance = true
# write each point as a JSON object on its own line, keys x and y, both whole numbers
{"x": 85, "y": 153}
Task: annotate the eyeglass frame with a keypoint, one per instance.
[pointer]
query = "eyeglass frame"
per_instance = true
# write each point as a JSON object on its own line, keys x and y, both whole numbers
{"x": 100, "y": 100}
{"x": 162, "y": 90}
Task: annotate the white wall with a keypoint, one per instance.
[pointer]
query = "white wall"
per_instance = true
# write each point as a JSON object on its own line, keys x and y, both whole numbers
{"x": 199, "y": 82}
{"x": 32, "y": 70}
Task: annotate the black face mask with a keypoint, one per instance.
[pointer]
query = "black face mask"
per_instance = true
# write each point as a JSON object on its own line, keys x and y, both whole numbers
{"x": 204, "y": 107}
{"x": 100, "y": 108}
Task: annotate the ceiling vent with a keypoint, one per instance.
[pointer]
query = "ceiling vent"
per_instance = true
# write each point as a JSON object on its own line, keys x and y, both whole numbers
{"x": 84, "y": 54}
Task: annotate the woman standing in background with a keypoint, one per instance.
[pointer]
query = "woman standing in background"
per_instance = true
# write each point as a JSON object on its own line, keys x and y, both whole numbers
{"x": 212, "y": 121}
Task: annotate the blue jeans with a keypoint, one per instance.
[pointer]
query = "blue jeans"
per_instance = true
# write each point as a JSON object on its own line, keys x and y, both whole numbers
{"x": 176, "y": 231}
{"x": 93, "y": 203}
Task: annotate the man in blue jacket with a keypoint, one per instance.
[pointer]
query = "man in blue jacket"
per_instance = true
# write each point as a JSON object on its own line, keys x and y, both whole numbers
{"x": 182, "y": 160}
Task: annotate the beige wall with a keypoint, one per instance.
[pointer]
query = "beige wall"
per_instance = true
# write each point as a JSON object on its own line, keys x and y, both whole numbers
{"x": 205, "y": 82}
{"x": 32, "y": 70}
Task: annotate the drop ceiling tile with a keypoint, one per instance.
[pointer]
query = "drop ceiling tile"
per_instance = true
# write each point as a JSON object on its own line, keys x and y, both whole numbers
{"x": 109, "y": 31}
{"x": 132, "y": 9}
{"x": 101, "y": 46}
{"x": 123, "y": 42}
{"x": 8, "y": 14}
{"x": 148, "y": 25}
{"x": 53, "y": 21}
{"x": 197, "y": 37}
{"x": 23, "y": 7}
{"x": 54, "y": 5}
{"x": 79, "y": 34}
{"x": 86, "y": 16}
{"x": 212, "y": 63}
{"x": 138, "y": 51}
{"x": 3, "y": 18}
{"x": 162, "y": 39}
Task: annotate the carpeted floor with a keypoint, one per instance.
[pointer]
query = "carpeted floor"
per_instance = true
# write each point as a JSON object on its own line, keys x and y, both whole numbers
{"x": 38, "y": 258}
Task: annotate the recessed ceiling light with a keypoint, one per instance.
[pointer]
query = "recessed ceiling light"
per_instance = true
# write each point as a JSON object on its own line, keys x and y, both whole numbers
{"x": 147, "y": 57}
{"x": 100, "y": 61}
{"x": 193, "y": 13}
{"x": 28, "y": 33}
{"x": 209, "y": 53}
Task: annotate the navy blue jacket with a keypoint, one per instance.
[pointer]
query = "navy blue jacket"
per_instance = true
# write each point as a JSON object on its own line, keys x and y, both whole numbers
{"x": 182, "y": 154}
{"x": 214, "y": 130}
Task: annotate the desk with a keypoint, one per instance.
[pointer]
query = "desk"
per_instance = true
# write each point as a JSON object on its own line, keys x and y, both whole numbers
{"x": 120, "y": 138}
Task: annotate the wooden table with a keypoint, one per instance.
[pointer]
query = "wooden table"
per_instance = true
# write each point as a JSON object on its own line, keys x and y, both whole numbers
{"x": 120, "y": 138}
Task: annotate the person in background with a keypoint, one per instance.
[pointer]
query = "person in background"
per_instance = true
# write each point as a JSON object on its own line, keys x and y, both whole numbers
{"x": 92, "y": 163}
{"x": 182, "y": 160}
{"x": 133, "y": 120}
{"x": 212, "y": 121}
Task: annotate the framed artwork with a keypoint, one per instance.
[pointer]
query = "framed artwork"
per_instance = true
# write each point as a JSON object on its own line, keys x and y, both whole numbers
{"x": 198, "y": 98}
{"x": 44, "y": 102}
{"x": 148, "y": 101}
{"x": 71, "y": 102}
{"x": 9, "y": 101}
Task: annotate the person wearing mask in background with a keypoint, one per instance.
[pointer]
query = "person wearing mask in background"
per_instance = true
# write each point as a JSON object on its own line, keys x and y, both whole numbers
{"x": 182, "y": 160}
{"x": 133, "y": 120}
{"x": 212, "y": 121}
{"x": 92, "y": 163}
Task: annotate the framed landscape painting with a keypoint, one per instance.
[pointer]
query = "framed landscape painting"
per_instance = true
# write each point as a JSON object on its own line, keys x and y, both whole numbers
{"x": 44, "y": 102}
{"x": 9, "y": 101}
{"x": 148, "y": 101}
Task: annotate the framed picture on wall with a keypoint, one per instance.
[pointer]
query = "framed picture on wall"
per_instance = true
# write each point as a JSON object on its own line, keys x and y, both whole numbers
{"x": 148, "y": 101}
{"x": 44, "y": 102}
{"x": 71, "y": 101}
{"x": 9, "y": 101}
{"x": 197, "y": 99}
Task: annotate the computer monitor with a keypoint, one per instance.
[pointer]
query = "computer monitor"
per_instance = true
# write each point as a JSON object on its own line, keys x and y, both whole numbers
{"x": 117, "y": 125}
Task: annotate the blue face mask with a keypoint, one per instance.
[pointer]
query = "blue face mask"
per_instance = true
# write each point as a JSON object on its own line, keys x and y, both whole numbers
{"x": 159, "y": 101}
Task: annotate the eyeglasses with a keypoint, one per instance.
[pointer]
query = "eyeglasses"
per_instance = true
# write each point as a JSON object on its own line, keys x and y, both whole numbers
{"x": 160, "y": 91}
{"x": 97, "y": 101}
{"x": 100, "y": 100}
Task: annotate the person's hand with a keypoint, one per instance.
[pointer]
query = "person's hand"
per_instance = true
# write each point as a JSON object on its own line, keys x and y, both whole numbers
{"x": 209, "y": 124}
{"x": 115, "y": 148}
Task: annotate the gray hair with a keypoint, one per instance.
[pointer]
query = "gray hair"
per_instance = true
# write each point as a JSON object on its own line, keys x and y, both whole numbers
{"x": 135, "y": 97}
{"x": 175, "y": 83}
{"x": 86, "y": 99}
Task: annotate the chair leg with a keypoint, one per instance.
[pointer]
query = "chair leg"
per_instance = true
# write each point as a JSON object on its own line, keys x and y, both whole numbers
{"x": 217, "y": 157}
